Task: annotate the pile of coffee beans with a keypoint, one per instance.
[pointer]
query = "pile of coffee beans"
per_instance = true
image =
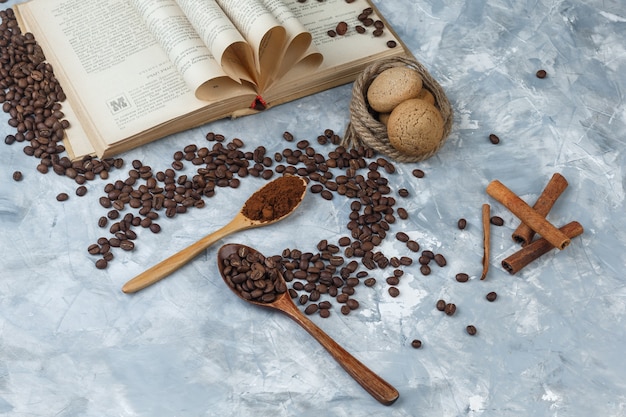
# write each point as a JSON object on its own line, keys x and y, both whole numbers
{"x": 253, "y": 276}
{"x": 32, "y": 96}
{"x": 332, "y": 271}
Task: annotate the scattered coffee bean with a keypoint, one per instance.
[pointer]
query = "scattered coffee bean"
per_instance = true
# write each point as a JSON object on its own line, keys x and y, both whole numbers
{"x": 541, "y": 74}
{"x": 450, "y": 309}
{"x": 393, "y": 291}
{"x": 311, "y": 309}
{"x": 413, "y": 246}
{"x": 62, "y": 197}
{"x": 462, "y": 277}
{"x": 393, "y": 281}
{"x": 342, "y": 28}
{"x": 462, "y": 224}
{"x": 494, "y": 139}
{"x": 471, "y": 330}
{"x": 101, "y": 263}
{"x": 418, "y": 173}
{"x": 440, "y": 260}
{"x": 370, "y": 282}
{"x": 17, "y": 176}
{"x": 81, "y": 191}
{"x": 416, "y": 343}
{"x": 492, "y": 296}
{"x": 496, "y": 220}
{"x": 102, "y": 221}
{"x": 402, "y": 237}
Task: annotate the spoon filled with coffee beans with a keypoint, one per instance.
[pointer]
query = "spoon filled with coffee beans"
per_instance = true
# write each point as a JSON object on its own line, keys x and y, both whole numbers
{"x": 259, "y": 280}
{"x": 271, "y": 203}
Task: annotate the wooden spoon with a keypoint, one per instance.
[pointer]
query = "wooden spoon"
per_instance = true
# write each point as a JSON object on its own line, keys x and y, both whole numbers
{"x": 174, "y": 262}
{"x": 371, "y": 382}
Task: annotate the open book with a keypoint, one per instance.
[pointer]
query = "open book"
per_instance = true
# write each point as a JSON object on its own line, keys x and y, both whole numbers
{"x": 139, "y": 70}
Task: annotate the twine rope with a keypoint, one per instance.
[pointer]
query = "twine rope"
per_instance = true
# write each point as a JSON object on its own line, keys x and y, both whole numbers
{"x": 364, "y": 130}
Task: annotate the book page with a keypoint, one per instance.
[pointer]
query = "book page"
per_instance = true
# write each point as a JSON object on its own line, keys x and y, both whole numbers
{"x": 221, "y": 37}
{"x": 261, "y": 30}
{"x": 299, "y": 40}
{"x": 184, "y": 47}
{"x": 349, "y": 49}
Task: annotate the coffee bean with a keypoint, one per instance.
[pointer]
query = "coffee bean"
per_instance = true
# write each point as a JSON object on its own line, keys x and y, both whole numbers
{"x": 370, "y": 282}
{"x": 392, "y": 44}
{"x": 101, "y": 263}
{"x": 402, "y": 237}
{"x": 425, "y": 269}
{"x": 413, "y": 246}
{"x": 492, "y": 296}
{"x": 416, "y": 343}
{"x": 127, "y": 245}
{"x": 496, "y": 220}
{"x": 327, "y": 195}
{"x": 255, "y": 277}
{"x": 462, "y": 277}
{"x": 393, "y": 280}
{"x": 441, "y": 305}
{"x": 471, "y": 330}
{"x": 423, "y": 260}
{"x": 393, "y": 291}
{"x": 494, "y": 139}
{"x": 62, "y": 196}
{"x": 81, "y": 191}
{"x": 17, "y": 176}
{"x": 342, "y": 28}
{"x": 450, "y": 309}
{"x": 541, "y": 74}
{"x": 403, "y": 192}
{"x": 418, "y": 173}
{"x": 462, "y": 224}
{"x": 402, "y": 213}
{"x": 311, "y": 309}
{"x": 440, "y": 260}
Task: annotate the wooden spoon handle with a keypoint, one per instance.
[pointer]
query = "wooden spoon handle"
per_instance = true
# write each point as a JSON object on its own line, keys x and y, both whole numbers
{"x": 378, "y": 388}
{"x": 174, "y": 262}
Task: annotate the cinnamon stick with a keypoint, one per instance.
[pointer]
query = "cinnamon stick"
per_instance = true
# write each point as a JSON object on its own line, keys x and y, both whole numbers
{"x": 486, "y": 239}
{"x": 527, "y": 215}
{"x": 536, "y": 249}
{"x": 555, "y": 187}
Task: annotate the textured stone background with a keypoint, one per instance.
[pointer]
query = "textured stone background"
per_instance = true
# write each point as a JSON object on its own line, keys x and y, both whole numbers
{"x": 72, "y": 344}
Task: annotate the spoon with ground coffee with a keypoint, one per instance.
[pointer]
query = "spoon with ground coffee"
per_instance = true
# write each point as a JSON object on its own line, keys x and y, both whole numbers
{"x": 271, "y": 203}
{"x": 259, "y": 280}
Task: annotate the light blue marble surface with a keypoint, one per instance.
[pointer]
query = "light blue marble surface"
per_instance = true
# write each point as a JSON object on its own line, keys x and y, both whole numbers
{"x": 72, "y": 344}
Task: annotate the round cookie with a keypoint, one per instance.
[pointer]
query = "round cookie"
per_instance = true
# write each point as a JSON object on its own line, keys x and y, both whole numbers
{"x": 393, "y": 86}
{"x": 415, "y": 127}
{"x": 426, "y": 96}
